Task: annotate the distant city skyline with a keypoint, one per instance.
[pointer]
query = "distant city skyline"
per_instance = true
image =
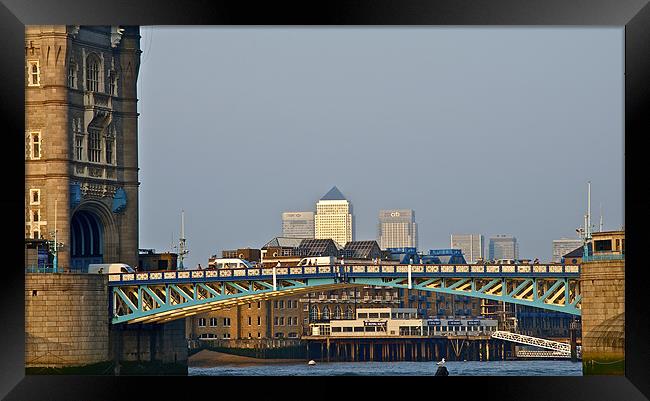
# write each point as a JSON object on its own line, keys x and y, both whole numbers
{"x": 478, "y": 130}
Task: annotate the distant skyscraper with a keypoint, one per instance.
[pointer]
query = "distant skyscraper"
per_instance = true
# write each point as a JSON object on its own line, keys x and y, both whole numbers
{"x": 397, "y": 229}
{"x": 298, "y": 225}
{"x": 563, "y": 246}
{"x": 334, "y": 218}
{"x": 503, "y": 247}
{"x": 472, "y": 245}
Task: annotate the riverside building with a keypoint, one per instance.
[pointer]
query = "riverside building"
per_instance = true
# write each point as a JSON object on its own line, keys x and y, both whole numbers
{"x": 399, "y": 322}
{"x": 397, "y": 229}
{"x": 333, "y": 218}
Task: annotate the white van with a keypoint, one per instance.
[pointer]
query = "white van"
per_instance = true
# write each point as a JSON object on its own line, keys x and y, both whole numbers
{"x": 109, "y": 268}
{"x": 230, "y": 263}
{"x": 318, "y": 261}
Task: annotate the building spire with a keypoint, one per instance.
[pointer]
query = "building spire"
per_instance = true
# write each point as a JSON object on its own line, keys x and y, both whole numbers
{"x": 333, "y": 194}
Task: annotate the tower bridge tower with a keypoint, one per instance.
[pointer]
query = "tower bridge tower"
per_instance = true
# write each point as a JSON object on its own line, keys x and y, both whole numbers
{"x": 81, "y": 136}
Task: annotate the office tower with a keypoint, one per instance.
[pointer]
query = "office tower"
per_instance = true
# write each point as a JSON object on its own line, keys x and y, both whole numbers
{"x": 503, "y": 247}
{"x": 563, "y": 246}
{"x": 472, "y": 246}
{"x": 298, "y": 225}
{"x": 333, "y": 218}
{"x": 397, "y": 229}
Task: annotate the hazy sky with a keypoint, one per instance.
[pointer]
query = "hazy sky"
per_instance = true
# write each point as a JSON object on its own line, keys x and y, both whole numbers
{"x": 479, "y": 130}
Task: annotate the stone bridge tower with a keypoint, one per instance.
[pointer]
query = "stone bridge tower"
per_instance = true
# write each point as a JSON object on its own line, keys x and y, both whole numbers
{"x": 81, "y": 141}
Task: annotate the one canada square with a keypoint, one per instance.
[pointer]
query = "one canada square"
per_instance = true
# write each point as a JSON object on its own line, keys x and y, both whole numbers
{"x": 397, "y": 229}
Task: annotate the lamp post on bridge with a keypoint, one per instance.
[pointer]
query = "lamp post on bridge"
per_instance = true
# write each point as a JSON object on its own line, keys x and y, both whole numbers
{"x": 54, "y": 244}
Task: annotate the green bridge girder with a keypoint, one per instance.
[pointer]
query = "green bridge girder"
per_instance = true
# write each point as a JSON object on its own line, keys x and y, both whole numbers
{"x": 156, "y": 297}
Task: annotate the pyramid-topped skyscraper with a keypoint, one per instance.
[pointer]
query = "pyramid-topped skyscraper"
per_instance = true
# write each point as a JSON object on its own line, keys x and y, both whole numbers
{"x": 333, "y": 219}
{"x": 333, "y": 194}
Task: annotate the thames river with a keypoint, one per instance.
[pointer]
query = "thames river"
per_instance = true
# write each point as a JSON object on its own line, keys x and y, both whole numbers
{"x": 493, "y": 368}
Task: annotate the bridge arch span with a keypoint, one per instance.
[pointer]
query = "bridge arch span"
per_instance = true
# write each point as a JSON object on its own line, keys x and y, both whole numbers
{"x": 93, "y": 235}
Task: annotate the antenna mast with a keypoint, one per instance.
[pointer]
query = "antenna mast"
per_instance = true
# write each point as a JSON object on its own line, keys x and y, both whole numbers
{"x": 182, "y": 244}
{"x": 601, "y": 217}
{"x": 587, "y": 232}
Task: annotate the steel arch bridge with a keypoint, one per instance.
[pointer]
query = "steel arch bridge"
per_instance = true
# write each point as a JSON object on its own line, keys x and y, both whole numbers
{"x": 162, "y": 296}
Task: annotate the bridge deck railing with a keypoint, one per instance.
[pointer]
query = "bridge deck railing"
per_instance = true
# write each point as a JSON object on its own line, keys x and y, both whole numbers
{"x": 551, "y": 270}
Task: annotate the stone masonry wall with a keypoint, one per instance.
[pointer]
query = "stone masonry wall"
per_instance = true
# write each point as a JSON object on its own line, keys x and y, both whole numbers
{"x": 164, "y": 343}
{"x": 66, "y": 320}
{"x": 603, "y": 311}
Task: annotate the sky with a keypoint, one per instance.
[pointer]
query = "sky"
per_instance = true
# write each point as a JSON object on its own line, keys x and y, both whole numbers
{"x": 478, "y": 130}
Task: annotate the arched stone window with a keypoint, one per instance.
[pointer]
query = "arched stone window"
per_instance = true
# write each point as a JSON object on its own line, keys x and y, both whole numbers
{"x": 313, "y": 314}
{"x": 92, "y": 73}
{"x": 338, "y": 312}
{"x": 72, "y": 75}
{"x": 326, "y": 312}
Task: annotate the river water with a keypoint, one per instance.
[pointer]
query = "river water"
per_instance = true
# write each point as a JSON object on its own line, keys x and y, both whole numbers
{"x": 470, "y": 368}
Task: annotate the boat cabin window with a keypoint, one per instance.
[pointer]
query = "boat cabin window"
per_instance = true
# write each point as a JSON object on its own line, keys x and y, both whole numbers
{"x": 373, "y": 315}
{"x": 363, "y": 315}
{"x": 358, "y": 328}
{"x": 370, "y": 328}
{"x": 347, "y": 329}
{"x": 386, "y": 315}
{"x": 336, "y": 329}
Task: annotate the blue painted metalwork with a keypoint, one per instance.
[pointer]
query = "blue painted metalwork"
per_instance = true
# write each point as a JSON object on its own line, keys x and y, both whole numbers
{"x": 162, "y": 296}
{"x": 445, "y": 252}
{"x": 119, "y": 200}
{"x": 75, "y": 195}
{"x": 606, "y": 256}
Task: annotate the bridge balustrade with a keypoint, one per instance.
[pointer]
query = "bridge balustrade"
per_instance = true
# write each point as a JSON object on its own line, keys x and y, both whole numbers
{"x": 377, "y": 270}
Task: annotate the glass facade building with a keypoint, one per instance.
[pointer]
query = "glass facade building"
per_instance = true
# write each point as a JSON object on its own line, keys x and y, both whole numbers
{"x": 563, "y": 246}
{"x": 298, "y": 224}
{"x": 503, "y": 247}
{"x": 397, "y": 229}
{"x": 472, "y": 246}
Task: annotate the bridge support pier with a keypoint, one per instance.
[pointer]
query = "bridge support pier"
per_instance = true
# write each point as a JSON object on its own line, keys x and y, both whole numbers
{"x": 149, "y": 348}
{"x": 602, "y": 286}
{"x": 68, "y": 329}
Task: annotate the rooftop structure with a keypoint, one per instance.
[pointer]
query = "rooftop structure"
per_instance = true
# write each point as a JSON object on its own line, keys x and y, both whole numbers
{"x": 362, "y": 250}
{"x": 318, "y": 247}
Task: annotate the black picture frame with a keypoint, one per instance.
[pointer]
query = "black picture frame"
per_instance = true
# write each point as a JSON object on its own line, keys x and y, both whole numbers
{"x": 634, "y": 15}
